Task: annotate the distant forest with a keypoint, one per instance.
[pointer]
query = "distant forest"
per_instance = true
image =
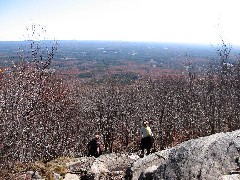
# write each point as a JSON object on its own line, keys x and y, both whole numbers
{"x": 99, "y": 59}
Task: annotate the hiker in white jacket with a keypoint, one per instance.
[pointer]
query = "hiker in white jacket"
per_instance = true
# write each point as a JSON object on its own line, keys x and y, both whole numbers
{"x": 146, "y": 138}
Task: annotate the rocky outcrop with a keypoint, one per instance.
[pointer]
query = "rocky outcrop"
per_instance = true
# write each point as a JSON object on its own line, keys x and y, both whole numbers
{"x": 209, "y": 157}
{"x": 212, "y": 157}
{"x": 108, "y": 166}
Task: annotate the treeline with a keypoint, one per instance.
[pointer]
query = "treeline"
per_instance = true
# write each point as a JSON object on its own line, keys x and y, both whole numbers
{"x": 43, "y": 116}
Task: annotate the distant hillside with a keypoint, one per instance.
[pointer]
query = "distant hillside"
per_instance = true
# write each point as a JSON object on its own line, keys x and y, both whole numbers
{"x": 89, "y": 59}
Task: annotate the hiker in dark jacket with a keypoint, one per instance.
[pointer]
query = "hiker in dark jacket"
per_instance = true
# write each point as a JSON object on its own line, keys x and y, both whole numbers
{"x": 93, "y": 147}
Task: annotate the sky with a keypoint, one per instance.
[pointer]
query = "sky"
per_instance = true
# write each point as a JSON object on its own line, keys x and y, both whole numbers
{"x": 190, "y": 21}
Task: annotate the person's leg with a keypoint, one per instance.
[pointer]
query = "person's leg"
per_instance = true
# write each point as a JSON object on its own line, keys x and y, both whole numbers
{"x": 142, "y": 145}
{"x": 148, "y": 144}
{"x": 148, "y": 151}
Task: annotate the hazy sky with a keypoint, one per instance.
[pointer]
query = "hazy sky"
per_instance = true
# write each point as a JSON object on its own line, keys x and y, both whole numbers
{"x": 200, "y": 21}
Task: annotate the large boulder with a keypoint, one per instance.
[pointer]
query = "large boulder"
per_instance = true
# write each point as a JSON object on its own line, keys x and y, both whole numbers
{"x": 209, "y": 157}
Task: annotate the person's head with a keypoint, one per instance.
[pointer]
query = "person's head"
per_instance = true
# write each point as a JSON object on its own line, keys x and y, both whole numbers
{"x": 145, "y": 123}
{"x": 97, "y": 137}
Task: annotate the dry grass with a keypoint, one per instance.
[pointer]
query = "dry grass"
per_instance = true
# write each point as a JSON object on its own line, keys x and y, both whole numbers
{"x": 46, "y": 170}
